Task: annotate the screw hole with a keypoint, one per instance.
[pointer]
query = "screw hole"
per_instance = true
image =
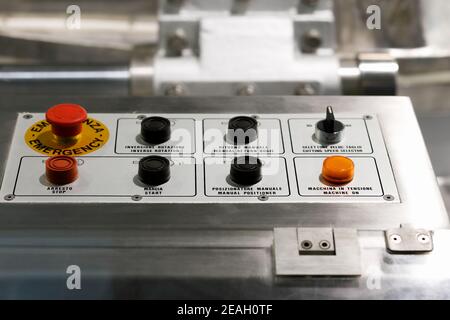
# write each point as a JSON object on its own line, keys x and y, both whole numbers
{"x": 306, "y": 244}
{"x": 395, "y": 238}
{"x": 136, "y": 198}
{"x": 263, "y": 197}
{"x": 9, "y": 197}
{"x": 324, "y": 244}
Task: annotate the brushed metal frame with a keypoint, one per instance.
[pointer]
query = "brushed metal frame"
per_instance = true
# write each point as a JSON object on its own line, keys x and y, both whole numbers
{"x": 211, "y": 251}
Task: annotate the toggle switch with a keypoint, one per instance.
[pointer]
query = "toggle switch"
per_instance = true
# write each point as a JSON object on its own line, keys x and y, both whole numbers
{"x": 329, "y": 130}
{"x": 155, "y": 130}
{"x": 66, "y": 119}
{"x": 154, "y": 170}
{"x": 338, "y": 169}
{"x": 246, "y": 170}
{"x": 242, "y": 130}
{"x": 61, "y": 170}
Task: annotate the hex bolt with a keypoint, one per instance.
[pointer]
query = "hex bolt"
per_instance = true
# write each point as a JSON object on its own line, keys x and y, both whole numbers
{"x": 247, "y": 90}
{"x": 240, "y": 6}
{"x": 305, "y": 89}
{"x": 311, "y": 41}
{"x": 310, "y": 3}
{"x": 175, "y": 90}
{"x": 173, "y": 6}
{"x": 176, "y": 43}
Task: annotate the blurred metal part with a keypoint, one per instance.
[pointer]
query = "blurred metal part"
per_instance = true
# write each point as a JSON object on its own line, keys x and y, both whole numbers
{"x": 405, "y": 24}
{"x": 35, "y": 32}
{"x": 107, "y": 32}
{"x": 73, "y": 80}
{"x": 142, "y": 71}
{"x": 113, "y": 24}
{"x": 369, "y": 74}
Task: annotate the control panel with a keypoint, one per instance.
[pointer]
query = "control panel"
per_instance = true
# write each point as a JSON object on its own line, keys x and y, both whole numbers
{"x": 70, "y": 155}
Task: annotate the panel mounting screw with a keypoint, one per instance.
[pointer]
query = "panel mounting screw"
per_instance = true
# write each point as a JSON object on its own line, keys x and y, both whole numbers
{"x": 388, "y": 197}
{"x": 141, "y": 117}
{"x": 263, "y": 197}
{"x": 9, "y": 197}
{"x": 27, "y": 116}
{"x": 367, "y": 117}
{"x": 136, "y": 197}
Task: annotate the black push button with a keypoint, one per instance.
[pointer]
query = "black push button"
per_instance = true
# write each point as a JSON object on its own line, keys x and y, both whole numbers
{"x": 246, "y": 170}
{"x": 155, "y": 130}
{"x": 242, "y": 130}
{"x": 154, "y": 170}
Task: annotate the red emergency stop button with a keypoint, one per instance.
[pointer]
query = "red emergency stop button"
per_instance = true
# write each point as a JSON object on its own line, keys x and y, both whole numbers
{"x": 61, "y": 170}
{"x": 338, "y": 169}
{"x": 66, "y": 119}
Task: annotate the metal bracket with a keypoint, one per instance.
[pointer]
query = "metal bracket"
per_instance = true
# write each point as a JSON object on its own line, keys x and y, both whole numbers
{"x": 341, "y": 258}
{"x": 407, "y": 239}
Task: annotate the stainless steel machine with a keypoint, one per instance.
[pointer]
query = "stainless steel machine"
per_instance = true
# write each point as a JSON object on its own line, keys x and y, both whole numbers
{"x": 224, "y": 149}
{"x": 239, "y": 197}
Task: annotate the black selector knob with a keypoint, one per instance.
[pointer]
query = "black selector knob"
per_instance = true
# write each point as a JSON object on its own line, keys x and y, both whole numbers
{"x": 242, "y": 130}
{"x": 246, "y": 170}
{"x": 155, "y": 130}
{"x": 154, "y": 170}
{"x": 329, "y": 130}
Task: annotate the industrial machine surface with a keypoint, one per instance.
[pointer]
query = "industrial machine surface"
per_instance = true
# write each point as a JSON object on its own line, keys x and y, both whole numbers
{"x": 190, "y": 238}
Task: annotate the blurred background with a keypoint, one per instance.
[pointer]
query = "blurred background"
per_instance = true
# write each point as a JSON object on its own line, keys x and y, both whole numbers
{"x": 235, "y": 47}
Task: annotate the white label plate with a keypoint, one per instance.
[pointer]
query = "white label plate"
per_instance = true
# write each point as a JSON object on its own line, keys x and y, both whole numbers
{"x": 366, "y": 181}
{"x": 129, "y": 141}
{"x": 273, "y": 184}
{"x": 117, "y": 179}
{"x": 109, "y": 174}
{"x": 356, "y": 138}
{"x": 269, "y": 139}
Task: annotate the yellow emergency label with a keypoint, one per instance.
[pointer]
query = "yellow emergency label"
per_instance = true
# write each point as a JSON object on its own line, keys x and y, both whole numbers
{"x": 93, "y": 136}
